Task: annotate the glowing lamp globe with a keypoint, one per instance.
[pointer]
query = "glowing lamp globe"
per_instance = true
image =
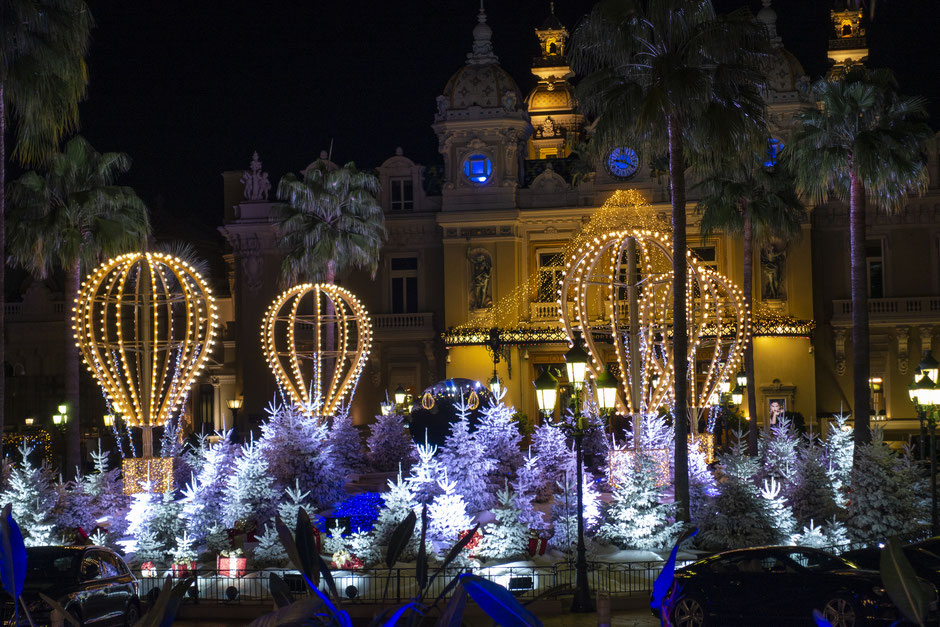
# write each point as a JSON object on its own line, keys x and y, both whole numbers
{"x": 606, "y": 391}
{"x": 741, "y": 379}
{"x": 576, "y": 360}
{"x": 737, "y": 395}
{"x": 929, "y": 367}
{"x": 546, "y": 392}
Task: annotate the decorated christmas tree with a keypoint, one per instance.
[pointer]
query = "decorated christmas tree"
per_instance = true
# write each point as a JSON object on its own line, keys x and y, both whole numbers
{"x": 297, "y": 447}
{"x": 399, "y": 501}
{"x": 202, "y": 507}
{"x": 702, "y": 486}
{"x": 347, "y": 443}
{"x": 269, "y": 551}
{"x": 467, "y": 463}
{"x": 33, "y": 496}
{"x": 741, "y": 516}
{"x": 390, "y": 444}
{"x": 839, "y": 451}
{"x": 780, "y": 454}
{"x": 166, "y": 524}
{"x": 637, "y": 519}
{"x": 812, "y": 536}
{"x": 498, "y": 433}
{"x": 884, "y": 500}
{"x": 555, "y": 459}
{"x": 107, "y": 501}
{"x": 507, "y": 538}
{"x": 527, "y": 483}
{"x": 249, "y": 496}
{"x": 447, "y": 514}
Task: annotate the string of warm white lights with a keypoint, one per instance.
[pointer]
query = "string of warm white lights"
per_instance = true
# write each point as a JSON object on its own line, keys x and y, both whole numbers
{"x": 289, "y": 337}
{"x": 145, "y": 324}
{"x": 598, "y": 285}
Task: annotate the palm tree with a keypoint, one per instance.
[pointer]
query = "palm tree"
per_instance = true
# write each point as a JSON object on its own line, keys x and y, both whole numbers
{"x": 330, "y": 222}
{"x": 863, "y": 143}
{"x": 42, "y": 78}
{"x": 670, "y": 76}
{"x": 762, "y": 205}
{"x": 72, "y": 217}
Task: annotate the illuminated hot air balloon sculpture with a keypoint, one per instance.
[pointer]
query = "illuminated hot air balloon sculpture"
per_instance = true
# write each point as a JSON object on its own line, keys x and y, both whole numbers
{"x": 316, "y": 338}
{"x": 145, "y": 323}
{"x": 628, "y": 274}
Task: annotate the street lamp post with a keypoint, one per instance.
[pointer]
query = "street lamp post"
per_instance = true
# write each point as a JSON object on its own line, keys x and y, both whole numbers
{"x": 61, "y": 420}
{"x": 234, "y": 404}
{"x": 925, "y": 395}
{"x": 576, "y": 360}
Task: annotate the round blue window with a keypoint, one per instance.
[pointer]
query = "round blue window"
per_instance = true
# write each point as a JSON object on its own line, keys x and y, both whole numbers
{"x": 478, "y": 168}
{"x": 774, "y": 146}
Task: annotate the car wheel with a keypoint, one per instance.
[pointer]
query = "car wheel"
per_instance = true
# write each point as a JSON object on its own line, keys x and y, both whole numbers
{"x": 688, "y": 612}
{"x": 131, "y": 615}
{"x": 840, "y": 612}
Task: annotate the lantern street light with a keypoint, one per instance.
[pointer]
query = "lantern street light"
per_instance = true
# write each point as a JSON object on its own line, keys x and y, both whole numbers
{"x": 737, "y": 395}
{"x": 234, "y": 404}
{"x": 741, "y": 379}
{"x": 576, "y": 363}
{"x": 400, "y": 395}
{"x": 62, "y": 418}
{"x": 925, "y": 395}
{"x": 546, "y": 392}
{"x": 108, "y": 420}
{"x": 606, "y": 391}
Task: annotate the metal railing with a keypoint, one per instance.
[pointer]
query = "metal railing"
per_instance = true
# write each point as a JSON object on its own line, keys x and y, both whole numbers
{"x": 398, "y": 585}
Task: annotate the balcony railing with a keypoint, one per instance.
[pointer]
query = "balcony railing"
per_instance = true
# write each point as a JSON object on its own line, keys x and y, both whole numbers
{"x": 913, "y": 307}
{"x": 404, "y": 322}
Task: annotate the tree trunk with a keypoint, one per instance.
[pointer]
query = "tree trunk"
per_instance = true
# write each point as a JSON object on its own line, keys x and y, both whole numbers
{"x": 860, "y": 365}
{"x": 749, "y": 347}
{"x": 679, "y": 322}
{"x": 3, "y": 265}
{"x": 73, "y": 430}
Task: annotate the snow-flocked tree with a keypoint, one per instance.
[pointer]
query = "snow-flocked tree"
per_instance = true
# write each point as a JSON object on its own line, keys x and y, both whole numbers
{"x": 390, "y": 444}
{"x": 507, "y": 538}
{"x": 637, "y": 519}
{"x": 498, "y": 433}
{"x": 398, "y": 502}
{"x": 205, "y": 493}
{"x": 527, "y": 483}
{"x": 33, "y": 496}
{"x": 884, "y": 499}
{"x": 447, "y": 514}
{"x": 839, "y": 452}
{"x": 297, "y": 447}
{"x": 781, "y": 516}
{"x": 565, "y": 507}
{"x": 347, "y": 443}
{"x": 780, "y": 454}
{"x": 426, "y": 474}
{"x": 249, "y": 496}
{"x": 555, "y": 458}
{"x": 812, "y": 494}
{"x": 467, "y": 463}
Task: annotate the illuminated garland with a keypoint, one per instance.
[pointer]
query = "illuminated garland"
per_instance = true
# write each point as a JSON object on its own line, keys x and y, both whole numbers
{"x": 293, "y": 336}
{"x": 141, "y": 472}
{"x": 145, "y": 324}
{"x": 769, "y": 323}
{"x": 33, "y": 439}
{"x": 596, "y": 276}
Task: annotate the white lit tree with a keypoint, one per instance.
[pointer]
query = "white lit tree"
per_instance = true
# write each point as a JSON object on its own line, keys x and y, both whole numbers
{"x": 206, "y": 491}
{"x": 426, "y": 474}
{"x": 347, "y": 443}
{"x": 447, "y": 514}
{"x": 812, "y": 494}
{"x": 507, "y": 538}
{"x": 780, "y": 453}
{"x": 527, "y": 483}
{"x": 839, "y": 453}
{"x": 390, "y": 444}
{"x": 565, "y": 510}
{"x": 398, "y": 502}
{"x": 780, "y": 514}
{"x": 33, "y": 496}
{"x": 555, "y": 458}
{"x": 498, "y": 433}
{"x": 249, "y": 496}
{"x": 637, "y": 518}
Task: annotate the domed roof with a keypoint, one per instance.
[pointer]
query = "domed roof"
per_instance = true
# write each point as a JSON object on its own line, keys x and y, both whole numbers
{"x": 784, "y": 71}
{"x": 482, "y": 85}
{"x": 551, "y": 97}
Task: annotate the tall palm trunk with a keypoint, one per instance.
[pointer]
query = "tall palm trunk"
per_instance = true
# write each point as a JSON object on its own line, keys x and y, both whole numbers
{"x": 73, "y": 430}
{"x": 680, "y": 338}
{"x": 329, "y": 342}
{"x": 749, "y": 347}
{"x": 3, "y": 265}
{"x": 860, "y": 365}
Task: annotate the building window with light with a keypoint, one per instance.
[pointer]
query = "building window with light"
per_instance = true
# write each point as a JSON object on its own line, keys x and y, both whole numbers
{"x": 404, "y": 284}
{"x": 551, "y": 272}
{"x": 478, "y": 168}
{"x": 402, "y": 190}
{"x": 874, "y": 259}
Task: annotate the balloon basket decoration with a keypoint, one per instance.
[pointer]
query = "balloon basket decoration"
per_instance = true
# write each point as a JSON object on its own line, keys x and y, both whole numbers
{"x": 316, "y": 339}
{"x": 631, "y": 271}
{"x": 145, "y": 324}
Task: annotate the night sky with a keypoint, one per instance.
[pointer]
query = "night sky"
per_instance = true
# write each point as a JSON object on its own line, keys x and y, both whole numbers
{"x": 190, "y": 88}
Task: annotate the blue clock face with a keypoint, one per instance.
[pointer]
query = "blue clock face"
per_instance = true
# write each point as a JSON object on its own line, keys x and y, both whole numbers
{"x": 623, "y": 162}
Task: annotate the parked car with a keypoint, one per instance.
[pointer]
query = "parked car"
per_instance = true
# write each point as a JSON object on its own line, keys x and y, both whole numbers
{"x": 91, "y": 582}
{"x": 924, "y": 557}
{"x": 779, "y": 585}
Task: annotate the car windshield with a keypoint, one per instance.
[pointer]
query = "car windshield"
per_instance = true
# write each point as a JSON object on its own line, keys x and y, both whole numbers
{"x": 817, "y": 560}
{"x": 45, "y": 566}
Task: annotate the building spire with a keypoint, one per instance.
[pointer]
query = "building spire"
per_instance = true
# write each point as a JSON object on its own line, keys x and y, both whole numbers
{"x": 482, "y": 44}
{"x": 768, "y": 17}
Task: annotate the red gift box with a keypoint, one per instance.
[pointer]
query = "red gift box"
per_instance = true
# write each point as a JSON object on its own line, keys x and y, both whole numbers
{"x": 148, "y": 569}
{"x": 232, "y": 566}
{"x": 537, "y": 546}
{"x": 184, "y": 570}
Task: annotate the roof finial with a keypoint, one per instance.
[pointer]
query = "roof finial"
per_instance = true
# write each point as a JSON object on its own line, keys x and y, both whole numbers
{"x": 768, "y": 17}
{"x": 482, "y": 46}
{"x": 551, "y": 6}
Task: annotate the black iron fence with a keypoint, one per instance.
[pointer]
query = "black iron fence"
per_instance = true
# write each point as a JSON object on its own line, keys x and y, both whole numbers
{"x": 397, "y": 585}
